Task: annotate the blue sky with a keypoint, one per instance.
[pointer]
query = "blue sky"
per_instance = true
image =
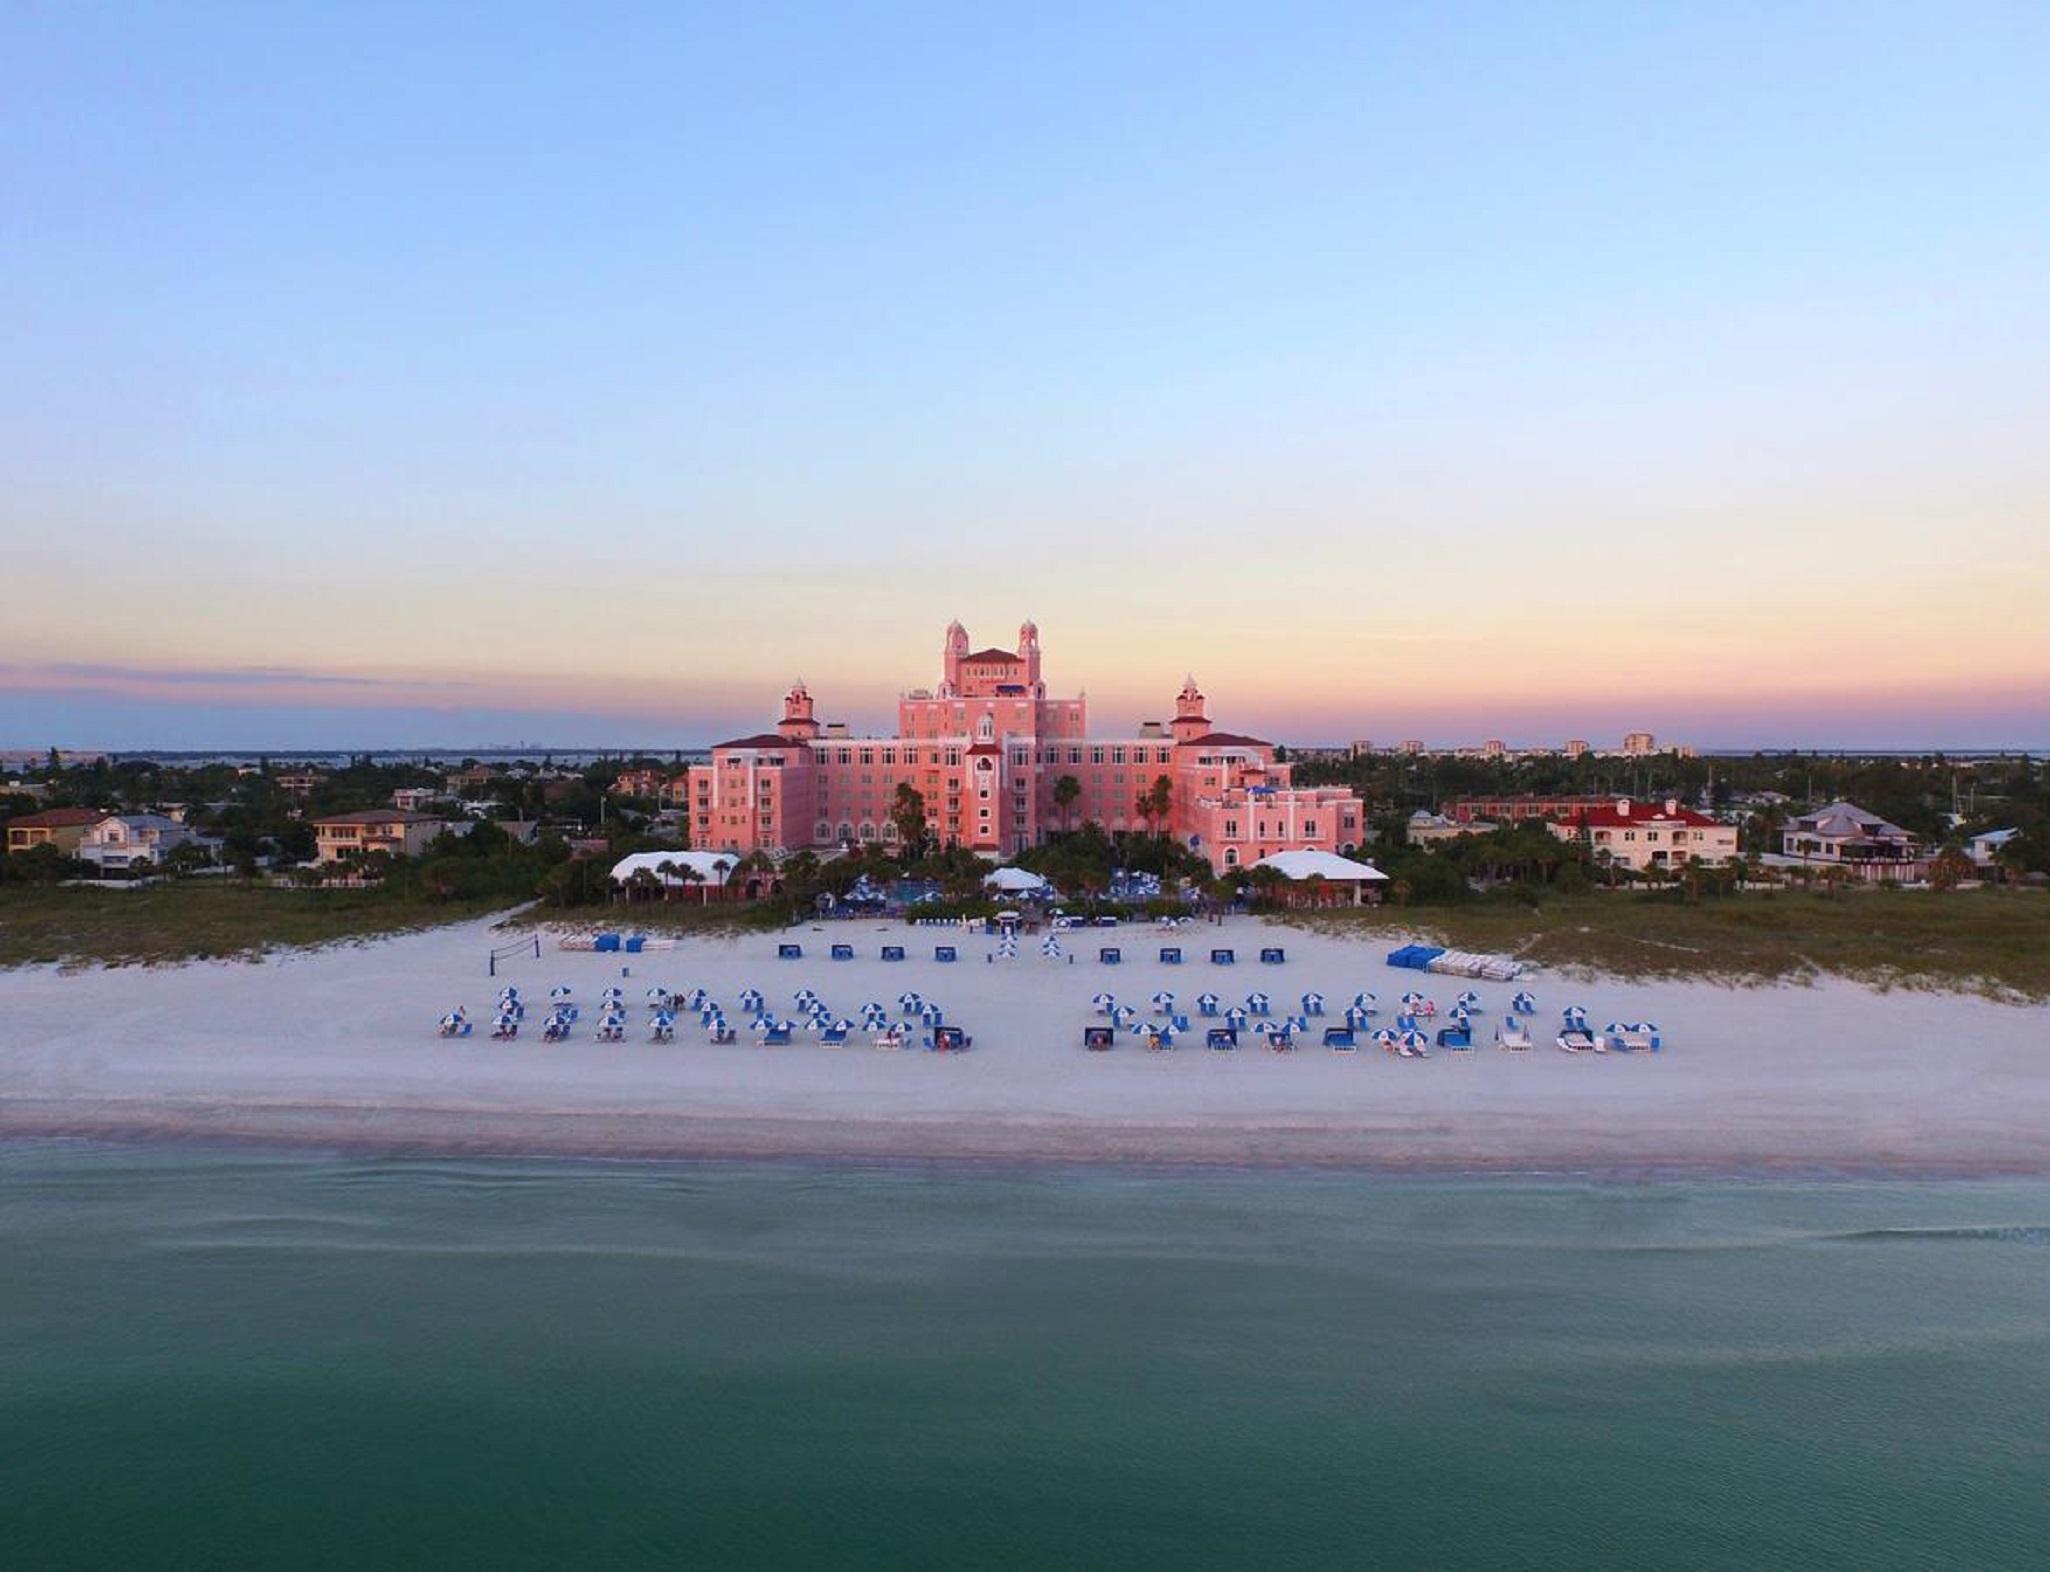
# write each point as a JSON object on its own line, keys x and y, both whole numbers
{"x": 384, "y": 372}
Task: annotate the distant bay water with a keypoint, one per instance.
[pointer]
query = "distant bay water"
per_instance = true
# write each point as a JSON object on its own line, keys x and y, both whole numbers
{"x": 231, "y": 1360}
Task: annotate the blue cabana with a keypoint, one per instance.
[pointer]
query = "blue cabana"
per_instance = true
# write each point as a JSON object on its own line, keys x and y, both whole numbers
{"x": 1340, "y": 1037}
{"x": 893, "y": 952}
{"x": 789, "y": 952}
{"x": 1222, "y": 958}
{"x": 1272, "y": 955}
{"x": 944, "y": 952}
{"x": 1221, "y": 1037}
{"x": 843, "y": 952}
{"x": 1110, "y": 955}
{"x": 1170, "y": 955}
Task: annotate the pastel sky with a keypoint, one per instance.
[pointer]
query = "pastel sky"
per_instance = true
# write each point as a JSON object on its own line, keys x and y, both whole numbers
{"x": 396, "y": 375}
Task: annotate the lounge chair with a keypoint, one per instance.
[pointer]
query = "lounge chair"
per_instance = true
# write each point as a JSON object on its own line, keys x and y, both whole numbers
{"x": 888, "y": 1037}
{"x": 1577, "y": 1039}
{"x": 721, "y": 1033}
{"x": 834, "y": 1035}
{"x": 1455, "y": 1037}
{"x": 1340, "y": 1039}
{"x": 1512, "y": 1035}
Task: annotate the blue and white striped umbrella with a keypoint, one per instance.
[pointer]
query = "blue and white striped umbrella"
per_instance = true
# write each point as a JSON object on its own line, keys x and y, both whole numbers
{"x": 698, "y": 999}
{"x": 1313, "y": 1001}
{"x": 1366, "y": 1002}
{"x": 1469, "y": 999}
{"x": 908, "y": 1002}
{"x": 1388, "y": 1037}
{"x": 1355, "y": 1017}
{"x": 1235, "y": 1016}
{"x": 508, "y": 992}
{"x": 1524, "y": 1004}
{"x": 560, "y": 991}
{"x": 1104, "y": 1002}
{"x": 1141, "y": 1028}
{"x": 1576, "y": 1015}
{"x": 452, "y": 1020}
{"x": 1643, "y": 1026}
{"x": 1414, "y": 1041}
{"x": 1207, "y": 1001}
{"x": 1163, "y": 1000}
{"x": 1412, "y": 999}
{"x": 503, "y": 1022}
{"x": 1121, "y": 1013}
{"x": 750, "y": 998}
{"x": 1258, "y": 1001}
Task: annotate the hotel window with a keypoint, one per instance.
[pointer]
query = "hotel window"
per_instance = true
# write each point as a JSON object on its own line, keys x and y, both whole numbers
{"x": 868, "y": 756}
{"x": 889, "y": 755}
{"x": 1074, "y": 755}
{"x": 1117, "y": 756}
{"x": 1095, "y": 755}
{"x": 1309, "y": 826}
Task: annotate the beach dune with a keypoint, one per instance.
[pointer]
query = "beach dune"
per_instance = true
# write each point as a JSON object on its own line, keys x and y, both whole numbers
{"x": 338, "y": 1047}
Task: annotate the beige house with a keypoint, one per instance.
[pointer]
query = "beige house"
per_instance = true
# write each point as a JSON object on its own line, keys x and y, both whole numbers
{"x": 62, "y": 828}
{"x": 396, "y": 830}
{"x": 1640, "y": 835}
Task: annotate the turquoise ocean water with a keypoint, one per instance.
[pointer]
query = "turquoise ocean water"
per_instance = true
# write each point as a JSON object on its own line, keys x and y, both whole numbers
{"x": 226, "y": 1360}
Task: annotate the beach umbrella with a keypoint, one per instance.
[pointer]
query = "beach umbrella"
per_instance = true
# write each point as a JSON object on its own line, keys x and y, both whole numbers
{"x": 1576, "y": 1015}
{"x": 1524, "y": 1004}
{"x": 614, "y": 992}
{"x": 559, "y": 991}
{"x": 1163, "y": 1000}
{"x": 1104, "y": 1001}
{"x": 508, "y": 992}
{"x": 1387, "y": 1037}
{"x": 1412, "y": 999}
{"x": 1123, "y": 1012}
{"x": 1165, "y": 1036}
{"x": 1365, "y": 1002}
{"x": 1468, "y": 1000}
{"x": 1313, "y": 1001}
{"x": 1413, "y": 1042}
{"x": 1643, "y": 1026}
{"x": 1235, "y": 1016}
{"x": 1458, "y": 1017}
{"x": 698, "y": 998}
{"x": 452, "y": 1020}
{"x": 908, "y": 1001}
{"x": 658, "y": 995}
{"x": 1206, "y": 1001}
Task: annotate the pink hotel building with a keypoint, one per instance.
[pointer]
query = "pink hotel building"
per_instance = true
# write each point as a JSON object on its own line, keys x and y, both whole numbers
{"x": 986, "y": 749}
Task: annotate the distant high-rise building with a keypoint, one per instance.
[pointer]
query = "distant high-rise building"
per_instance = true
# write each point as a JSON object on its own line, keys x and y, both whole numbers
{"x": 1412, "y": 745}
{"x": 1636, "y": 744}
{"x": 1576, "y": 747}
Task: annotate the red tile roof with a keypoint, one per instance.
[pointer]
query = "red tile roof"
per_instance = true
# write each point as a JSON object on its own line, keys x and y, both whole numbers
{"x": 1613, "y": 815}
{"x": 761, "y": 739}
{"x": 1227, "y": 739}
{"x": 58, "y": 819}
{"x": 992, "y": 654}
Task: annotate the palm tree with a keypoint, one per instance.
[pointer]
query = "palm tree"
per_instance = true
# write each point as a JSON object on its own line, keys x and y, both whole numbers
{"x": 1065, "y": 791}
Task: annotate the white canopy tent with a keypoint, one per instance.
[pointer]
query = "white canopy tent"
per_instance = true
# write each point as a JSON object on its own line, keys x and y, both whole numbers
{"x": 711, "y": 867}
{"x": 1299, "y": 866}
{"x": 1015, "y": 881}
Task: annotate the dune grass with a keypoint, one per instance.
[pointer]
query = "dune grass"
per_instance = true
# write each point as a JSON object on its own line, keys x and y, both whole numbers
{"x": 1979, "y": 941}
{"x": 200, "y": 920}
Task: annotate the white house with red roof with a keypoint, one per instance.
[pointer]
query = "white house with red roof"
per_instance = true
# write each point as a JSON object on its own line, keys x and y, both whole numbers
{"x": 1640, "y": 835}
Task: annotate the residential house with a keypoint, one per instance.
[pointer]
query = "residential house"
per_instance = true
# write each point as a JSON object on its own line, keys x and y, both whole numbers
{"x": 1984, "y": 848}
{"x": 1640, "y": 835}
{"x": 395, "y": 830}
{"x": 1844, "y": 835}
{"x": 414, "y": 799}
{"x": 120, "y": 841}
{"x": 62, "y": 828}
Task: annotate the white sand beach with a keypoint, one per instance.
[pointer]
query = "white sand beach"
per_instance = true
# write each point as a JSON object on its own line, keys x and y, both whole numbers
{"x": 338, "y": 1047}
